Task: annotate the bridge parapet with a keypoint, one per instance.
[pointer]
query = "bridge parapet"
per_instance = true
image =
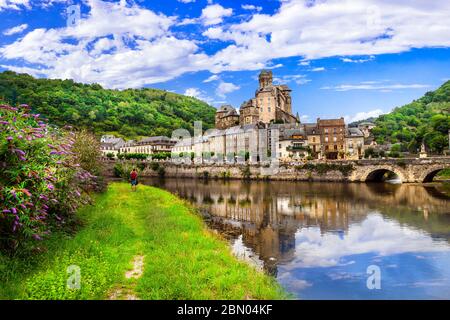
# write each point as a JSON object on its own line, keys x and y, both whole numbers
{"x": 407, "y": 169}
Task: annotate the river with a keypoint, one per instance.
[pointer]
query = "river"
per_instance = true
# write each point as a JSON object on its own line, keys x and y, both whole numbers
{"x": 333, "y": 240}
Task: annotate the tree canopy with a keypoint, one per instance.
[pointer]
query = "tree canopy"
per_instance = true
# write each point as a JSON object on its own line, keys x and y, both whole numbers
{"x": 426, "y": 120}
{"x": 128, "y": 113}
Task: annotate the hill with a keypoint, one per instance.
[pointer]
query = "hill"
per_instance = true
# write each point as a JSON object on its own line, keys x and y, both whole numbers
{"x": 129, "y": 113}
{"x": 424, "y": 120}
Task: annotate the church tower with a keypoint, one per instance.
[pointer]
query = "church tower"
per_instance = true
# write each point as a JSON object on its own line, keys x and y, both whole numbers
{"x": 265, "y": 79}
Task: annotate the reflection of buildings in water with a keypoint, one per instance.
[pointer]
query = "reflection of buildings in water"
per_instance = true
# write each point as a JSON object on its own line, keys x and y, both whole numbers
{"x": 272, "y": 212}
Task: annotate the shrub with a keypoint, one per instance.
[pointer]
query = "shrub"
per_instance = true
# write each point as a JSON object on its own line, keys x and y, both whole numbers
{"x": 118, "y": 170}
{"x": 41, "y": 182}
{"x": 135, "y": 156}
{"x": 246, "y": 173}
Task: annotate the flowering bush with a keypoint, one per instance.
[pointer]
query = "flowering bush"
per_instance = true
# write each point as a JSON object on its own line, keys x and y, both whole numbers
{"x": 41, "y": 183}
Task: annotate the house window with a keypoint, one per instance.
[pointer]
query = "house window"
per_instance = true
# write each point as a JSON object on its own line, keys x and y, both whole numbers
{"x": 269, "y": 109}
{"x": 314, "y": 139}
{"x": 326, "y": 130}
{"x": 326, "y": 139}
{"x": 335, "y": 147}
{"x": 334, "y": 139}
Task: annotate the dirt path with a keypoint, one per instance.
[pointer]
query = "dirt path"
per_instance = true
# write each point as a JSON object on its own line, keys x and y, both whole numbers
{"x": 126, "y": 292}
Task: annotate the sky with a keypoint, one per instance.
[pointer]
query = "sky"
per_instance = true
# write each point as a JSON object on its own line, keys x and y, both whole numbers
{"x": 347, "y": 58}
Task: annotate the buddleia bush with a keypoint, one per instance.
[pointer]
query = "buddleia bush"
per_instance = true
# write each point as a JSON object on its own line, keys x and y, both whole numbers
{"x": 41, "y": 182}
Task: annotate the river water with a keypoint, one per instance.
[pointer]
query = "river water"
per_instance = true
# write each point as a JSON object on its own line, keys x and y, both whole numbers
{"x": 333, "y": 240}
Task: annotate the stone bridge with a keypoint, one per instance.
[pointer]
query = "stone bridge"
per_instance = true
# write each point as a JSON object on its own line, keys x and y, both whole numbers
{"x": 407, "y": 170}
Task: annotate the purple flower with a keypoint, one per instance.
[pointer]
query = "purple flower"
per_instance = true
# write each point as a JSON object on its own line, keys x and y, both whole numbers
{"x": 50, "y": 186}
{"x": 6, "y": 211}
{"x": 19, "y": 152}
{"x": 4, "y": 122}
{"x": 14, "y": 210}
{"x": 37, "y": 237}
{"x": 9, "y": 138}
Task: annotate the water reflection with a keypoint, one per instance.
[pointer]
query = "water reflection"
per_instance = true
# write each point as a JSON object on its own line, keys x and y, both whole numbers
{"x": 319, "y": 238}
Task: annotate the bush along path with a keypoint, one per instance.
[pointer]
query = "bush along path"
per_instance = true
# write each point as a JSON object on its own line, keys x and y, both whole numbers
{"x": 147, "y": 244}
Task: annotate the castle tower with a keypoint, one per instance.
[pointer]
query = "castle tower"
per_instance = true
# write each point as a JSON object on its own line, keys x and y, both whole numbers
{"x": 265, "y": 79}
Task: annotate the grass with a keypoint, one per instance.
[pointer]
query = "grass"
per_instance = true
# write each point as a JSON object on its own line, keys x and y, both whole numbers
{"x": 183, "y": 260}
{"x": 443, "y": 175}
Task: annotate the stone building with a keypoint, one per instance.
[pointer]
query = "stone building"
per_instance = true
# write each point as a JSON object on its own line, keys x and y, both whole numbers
{"x": 110, "y": 144}
{"x": 226, "y": 117}
{"x": 366, "y": 128}
{"x": 292, "y": 141}
{"x": 332, "y": 137}
{"x": 313, "y": 135}
{"x": 354, "y": 144}
{"x": 148, "y": 145}
{"x": 272, "y": 103}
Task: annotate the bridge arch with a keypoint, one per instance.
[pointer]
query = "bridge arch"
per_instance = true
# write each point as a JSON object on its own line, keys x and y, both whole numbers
{"x": 377, "y": 173}
{"x": 429, "y": 174}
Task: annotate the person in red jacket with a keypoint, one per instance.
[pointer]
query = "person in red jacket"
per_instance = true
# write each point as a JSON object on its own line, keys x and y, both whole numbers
{"x": 133, "y": 178}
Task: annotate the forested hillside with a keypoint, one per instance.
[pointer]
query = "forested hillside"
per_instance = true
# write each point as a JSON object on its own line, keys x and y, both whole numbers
{"x": 129, "y": 113}
{"x": 424, "y": 120}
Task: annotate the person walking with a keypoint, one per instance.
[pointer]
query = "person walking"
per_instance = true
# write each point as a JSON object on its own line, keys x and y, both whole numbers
{"x": 133, "y": 178}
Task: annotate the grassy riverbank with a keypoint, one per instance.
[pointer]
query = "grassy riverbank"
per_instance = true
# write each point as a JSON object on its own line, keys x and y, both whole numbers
{"x": 182, "y": 259}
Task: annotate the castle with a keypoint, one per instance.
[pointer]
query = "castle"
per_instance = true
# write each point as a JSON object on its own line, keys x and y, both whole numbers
{"x": 271, "y": 104}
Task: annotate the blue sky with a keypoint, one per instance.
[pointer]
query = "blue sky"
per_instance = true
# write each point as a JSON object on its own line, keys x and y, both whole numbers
{"x": 340, "y": 57}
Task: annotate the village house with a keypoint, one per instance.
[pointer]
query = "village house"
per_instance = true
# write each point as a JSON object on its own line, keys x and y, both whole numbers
{"x": 110, "y": 144}
{"x": 264, "y": 126}
{"x": 148, "y": 145}
{"x": 354, "y": 144}
{"x": 332, "y": 138}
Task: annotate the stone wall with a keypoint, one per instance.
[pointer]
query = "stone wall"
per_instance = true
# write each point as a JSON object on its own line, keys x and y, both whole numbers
{"x": 408, "y": 170}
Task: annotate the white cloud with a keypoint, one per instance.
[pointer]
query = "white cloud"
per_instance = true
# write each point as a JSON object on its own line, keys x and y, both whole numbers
{"x": 304, "y": 63}
{"x": 349, "y": 60}
{"x": 214, "y": 14}
{"x": 363, "y": 115}
{"x": 135, "y": 50}
{"x": 214, "y": 77}
{"x": 251, "y": 7}
{"x": 186, "y": 1}
{"x": 192, "y": 92}
{"x": 14, "y": 4}
{"x": 333, "y": 28}
{"x": 226, "y": 87}
{"x": 297, "y": 78}
{"x": 373, "y": 235}
{"x": 376, "y": 86}
{"x": 15, "y": 30}
{"x": 318, "y": 69}
{"x": 141, "y": 48}
{"x": 197, "y": 93}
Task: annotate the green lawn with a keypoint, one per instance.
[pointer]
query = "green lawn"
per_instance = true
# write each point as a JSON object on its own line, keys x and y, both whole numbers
{"x": 182, "y": 259}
